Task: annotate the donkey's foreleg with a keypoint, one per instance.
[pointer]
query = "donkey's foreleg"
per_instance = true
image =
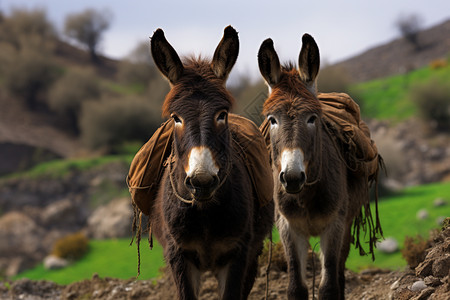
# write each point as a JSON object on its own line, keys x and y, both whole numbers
{"x": 330, "y": 244}
{"x": 232, "y": 277}
{"x": 296, "y": 250}
{"x": 185, "y": 275}
{"x": 345, "y": 249}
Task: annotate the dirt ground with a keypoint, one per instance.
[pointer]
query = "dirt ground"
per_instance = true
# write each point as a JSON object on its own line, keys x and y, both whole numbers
{"x": 369, "y": 285}
{"x": 429, "y": 280}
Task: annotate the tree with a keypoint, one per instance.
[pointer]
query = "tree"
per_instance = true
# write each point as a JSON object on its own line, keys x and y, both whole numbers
{"x": 409, "y": 27}
{"x": 87, "y": 28}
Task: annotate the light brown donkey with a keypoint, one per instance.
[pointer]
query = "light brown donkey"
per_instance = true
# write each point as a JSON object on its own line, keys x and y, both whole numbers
{"x": 315, "y": 192}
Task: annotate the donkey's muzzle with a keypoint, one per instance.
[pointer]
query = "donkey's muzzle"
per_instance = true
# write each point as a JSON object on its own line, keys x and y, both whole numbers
{"x": 292, "y": 182}
{"x": 202, "y": 185}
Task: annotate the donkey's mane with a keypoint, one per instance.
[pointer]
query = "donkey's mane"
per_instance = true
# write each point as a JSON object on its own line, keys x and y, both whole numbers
{"x": 197, "y": 78}
{"x": 292, "y": 93}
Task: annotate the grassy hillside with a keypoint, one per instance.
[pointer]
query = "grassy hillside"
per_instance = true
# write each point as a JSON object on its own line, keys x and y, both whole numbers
{"x": 389, "y": 98}
{"x": 398, "y": 219}
{"x": 115, "y": 258}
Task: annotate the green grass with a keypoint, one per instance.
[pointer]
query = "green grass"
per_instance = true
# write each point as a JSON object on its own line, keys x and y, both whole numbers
{"x": 59, "y": 168}
{"x": 108, "y": 258}
{"x": 388, "y": 98}
{"x": 398, "y": 219}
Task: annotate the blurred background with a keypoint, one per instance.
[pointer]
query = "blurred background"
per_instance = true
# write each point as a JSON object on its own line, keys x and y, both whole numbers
{"x": 79, "y": 95}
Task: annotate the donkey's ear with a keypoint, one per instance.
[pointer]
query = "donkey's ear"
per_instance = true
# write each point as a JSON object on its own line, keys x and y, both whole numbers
{"x": 165, "y": 57}
{"x": 226, "y": 53}
{"x": 269, "y": 63}
{"x": 309, "y": 62}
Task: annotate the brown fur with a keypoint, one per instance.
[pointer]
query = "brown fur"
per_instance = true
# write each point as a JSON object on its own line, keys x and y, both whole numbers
{"x": 330, "y": 196}
{"x": 223, "y": 233}
{"x": 197, "y": 76}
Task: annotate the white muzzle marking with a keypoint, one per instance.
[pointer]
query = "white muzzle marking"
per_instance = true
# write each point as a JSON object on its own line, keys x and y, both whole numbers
{"x": 201, "y": 160}
{"x": 292, "y": 160}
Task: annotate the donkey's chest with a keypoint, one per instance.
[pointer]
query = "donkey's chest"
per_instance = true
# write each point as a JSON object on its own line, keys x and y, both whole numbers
{"x": 218, "y": 229}
{"x": 208, "y": 245}
{"x": 309, "y": 216}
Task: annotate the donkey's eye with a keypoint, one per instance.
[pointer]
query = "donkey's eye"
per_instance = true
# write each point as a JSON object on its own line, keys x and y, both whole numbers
{"x": 312, "y": 119}
{"x": 222, "y": 116}
{"x": 272, "y": 120}
{"x": 176, "y": 119}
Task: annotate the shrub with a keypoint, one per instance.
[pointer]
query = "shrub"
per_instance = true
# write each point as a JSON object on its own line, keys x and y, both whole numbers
{"x": 157, "y": 90}
{"x": 138, "y": 67}
{"x": 438, "y": 64}
{"x": 68, "y": 93}
{"x": 135, "y": 73}
{"x": 29, "y": 75}
{"x": 23, "y": 25}
{"x": 433, "y": 100}
{"x": 111, "y": 122}
{"x": 72, "y": 246}
{"x": 414, "y": 250}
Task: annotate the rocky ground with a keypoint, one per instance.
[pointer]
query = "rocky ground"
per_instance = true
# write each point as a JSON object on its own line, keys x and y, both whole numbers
{"x": 429, "y": 280}
{"x": 35, "y": 212}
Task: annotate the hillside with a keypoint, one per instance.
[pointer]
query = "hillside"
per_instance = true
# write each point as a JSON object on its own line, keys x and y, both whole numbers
{"x": 29, "y": 136}
{"x": 399, "y": 56}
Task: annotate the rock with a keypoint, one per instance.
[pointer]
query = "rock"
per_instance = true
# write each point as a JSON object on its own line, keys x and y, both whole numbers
{"x": 21, "y": 242}
{"x": 27, "y": 289}
{"x": 67, "y": 214}
{"x": 425, "y": 268}
{"x": 422, "y": 214}
{"x": 389, "y": 245}
{"x": 418, "y": 286}
{"x": 395, "y": 285}
{"x": 111, "y": 221}
{"x": 432, "y": 281}
{"x": 424, "y": 294}
{"x": 441, "y": 266}
{"x": 439, "y": 202}
{"x": 53, "y": 262}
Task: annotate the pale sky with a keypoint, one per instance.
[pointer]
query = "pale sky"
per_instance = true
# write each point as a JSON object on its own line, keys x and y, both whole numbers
{"x": 341, "y": 28}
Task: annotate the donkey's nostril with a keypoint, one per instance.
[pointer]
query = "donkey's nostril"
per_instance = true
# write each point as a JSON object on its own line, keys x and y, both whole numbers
{"x": 187, "y": 182}
{"x": 282, "y": 178}
{"x": 302, "y": 178}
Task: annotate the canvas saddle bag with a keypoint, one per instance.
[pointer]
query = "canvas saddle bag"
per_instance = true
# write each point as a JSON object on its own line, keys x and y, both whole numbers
{"x": 150, "y": 161}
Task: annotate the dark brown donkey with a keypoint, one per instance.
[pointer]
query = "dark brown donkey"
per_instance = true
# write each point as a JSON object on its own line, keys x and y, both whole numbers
{"x": 206, "y": 215}
{"x": 315, "y": 193}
